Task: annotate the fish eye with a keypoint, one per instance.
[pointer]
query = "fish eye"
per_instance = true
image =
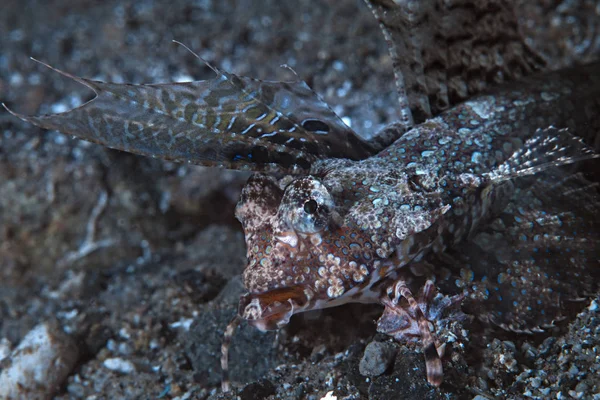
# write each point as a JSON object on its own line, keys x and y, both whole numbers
{"x": 310, "y": 207}
{"x": 306, "y": 205}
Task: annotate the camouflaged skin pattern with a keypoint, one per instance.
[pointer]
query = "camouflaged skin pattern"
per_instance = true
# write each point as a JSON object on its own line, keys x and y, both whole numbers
{"x": 428, "y": 191}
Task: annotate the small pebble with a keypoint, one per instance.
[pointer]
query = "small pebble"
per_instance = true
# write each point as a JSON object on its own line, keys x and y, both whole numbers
{"x": 377, "y": 358}
{"x": 575, "y": 395}
{"x": 510, "y": 346}
{"x": 482, "y": 383}
{"x": 39, "y": 365}
{"x": 581, "y": 387}
{"x": 119, "y": 365}
{"x": 573, "y": 370}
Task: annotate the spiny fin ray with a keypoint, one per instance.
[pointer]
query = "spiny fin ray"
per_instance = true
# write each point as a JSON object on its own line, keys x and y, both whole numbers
{"x": 445, "y": 52}
{"x": 229, "y": 121}
{"x": 548, "y": 148}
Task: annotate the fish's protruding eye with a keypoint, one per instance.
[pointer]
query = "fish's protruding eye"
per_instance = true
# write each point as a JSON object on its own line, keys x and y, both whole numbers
{"x": 306, "y": 205}
{"x": 310, "y": 207}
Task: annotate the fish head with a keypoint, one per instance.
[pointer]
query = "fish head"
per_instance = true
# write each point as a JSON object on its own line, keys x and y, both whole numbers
{"x": 327, "y": 238}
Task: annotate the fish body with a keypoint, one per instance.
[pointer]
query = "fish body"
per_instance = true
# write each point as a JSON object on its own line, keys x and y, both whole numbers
{"x": 430, "y": 190}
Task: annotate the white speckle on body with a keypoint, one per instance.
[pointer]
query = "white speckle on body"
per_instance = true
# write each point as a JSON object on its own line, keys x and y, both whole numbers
{"x": 481, "y": 106}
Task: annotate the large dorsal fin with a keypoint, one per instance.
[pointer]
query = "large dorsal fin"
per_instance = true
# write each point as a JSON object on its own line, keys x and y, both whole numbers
{"x": 444, "y": 51}
{"x": 229, "y": 121}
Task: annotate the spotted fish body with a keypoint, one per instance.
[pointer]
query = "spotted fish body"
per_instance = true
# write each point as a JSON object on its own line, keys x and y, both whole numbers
{"x": 428, "y": 191}
{"x": 468, "y": 182}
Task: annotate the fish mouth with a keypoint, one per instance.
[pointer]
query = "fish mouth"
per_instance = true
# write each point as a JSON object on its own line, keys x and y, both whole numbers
{"x": 273, "y": 309}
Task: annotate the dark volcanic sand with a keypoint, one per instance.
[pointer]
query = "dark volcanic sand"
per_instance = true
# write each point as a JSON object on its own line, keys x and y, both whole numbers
{"x": 138, "y": 260}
